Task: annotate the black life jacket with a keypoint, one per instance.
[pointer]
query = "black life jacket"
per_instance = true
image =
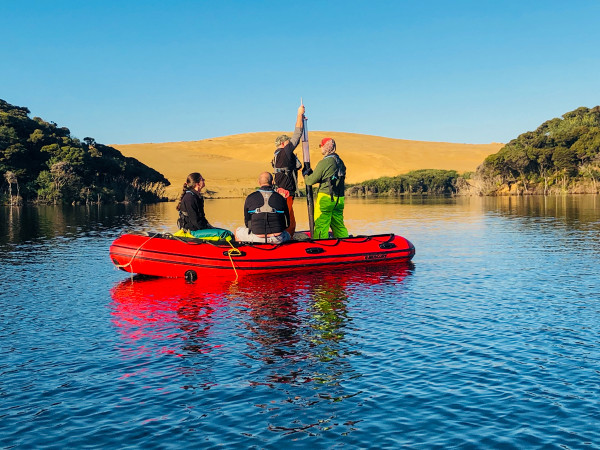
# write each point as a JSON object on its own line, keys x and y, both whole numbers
{"x": 266, "y": 208}
{"x": 337, "y": 179}
{"x": 286, "y": 170}
{"x": 265, "y": 215}
{"x": 265, "y": 219}
{"x": 182, "y": 221}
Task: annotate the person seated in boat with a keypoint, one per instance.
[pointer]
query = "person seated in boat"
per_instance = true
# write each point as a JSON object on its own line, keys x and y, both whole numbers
{"x": 192, "y": 221}
{"x": 330, "y": 173}
{"x": 191, "y": 205}
{"x": 266, "y": 215}
{"x": 286, "y": 165}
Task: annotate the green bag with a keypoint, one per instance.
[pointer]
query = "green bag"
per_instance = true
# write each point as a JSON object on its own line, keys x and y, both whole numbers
{"x": 213, "y": 234}
{"x": 209, "y": 234}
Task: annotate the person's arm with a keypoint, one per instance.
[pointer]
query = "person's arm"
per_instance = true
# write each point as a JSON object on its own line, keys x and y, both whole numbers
{"x": 286, "y": 213}
{"x": 317, "y": 175}
{"x": 300, "y": 116}
{"x": 299, "y": 127}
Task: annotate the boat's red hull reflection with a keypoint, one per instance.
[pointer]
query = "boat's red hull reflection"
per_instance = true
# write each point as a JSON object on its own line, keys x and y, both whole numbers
{"x": 172, "y": 316}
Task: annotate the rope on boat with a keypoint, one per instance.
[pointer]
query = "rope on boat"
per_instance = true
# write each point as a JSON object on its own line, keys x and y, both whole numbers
{"x": 123, "y": 266}
{"x": 322, "y": 242}
{"x": 263, "y": 246}
{"x": 235, "y": 252}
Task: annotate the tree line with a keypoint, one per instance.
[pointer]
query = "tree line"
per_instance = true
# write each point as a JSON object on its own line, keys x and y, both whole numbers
{"x": 42, "y": 162}
{"x": 424, "y": 181}
{"x": 561, "y": 156}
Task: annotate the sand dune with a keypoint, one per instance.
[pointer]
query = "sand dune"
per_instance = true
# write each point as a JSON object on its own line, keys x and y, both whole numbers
{"x": 231, "y": 164}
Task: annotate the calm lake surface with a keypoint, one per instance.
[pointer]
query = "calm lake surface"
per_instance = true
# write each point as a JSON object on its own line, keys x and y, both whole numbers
{"x": 490, "y": 339}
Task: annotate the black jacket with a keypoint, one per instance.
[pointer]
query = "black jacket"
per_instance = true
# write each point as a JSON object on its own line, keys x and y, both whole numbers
{"x": 266, "y": 221}
{"x": 191, "y": 212}
{"x": 285, "y": 164}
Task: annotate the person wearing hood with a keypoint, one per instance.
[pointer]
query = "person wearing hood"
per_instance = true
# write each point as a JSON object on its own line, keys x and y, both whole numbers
{"x": 330, "y": 173}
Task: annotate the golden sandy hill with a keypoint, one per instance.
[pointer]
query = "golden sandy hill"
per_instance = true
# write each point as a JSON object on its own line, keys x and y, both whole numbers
{"x": 231, "y": 164}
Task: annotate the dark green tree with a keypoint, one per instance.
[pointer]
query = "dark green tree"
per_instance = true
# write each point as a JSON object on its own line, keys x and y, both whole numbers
{"x": 53, "y": 166}
{"x": 561, "y": 149}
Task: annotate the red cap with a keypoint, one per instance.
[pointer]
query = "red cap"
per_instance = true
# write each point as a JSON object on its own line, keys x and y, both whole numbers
{"x": 323, "y": 141}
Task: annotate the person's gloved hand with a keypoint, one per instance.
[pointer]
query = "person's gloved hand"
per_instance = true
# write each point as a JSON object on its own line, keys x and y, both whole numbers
{"x": 306, "y": 171}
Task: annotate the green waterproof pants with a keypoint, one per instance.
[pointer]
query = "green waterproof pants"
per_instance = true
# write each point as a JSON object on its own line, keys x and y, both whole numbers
{"x": 329, "y": 214}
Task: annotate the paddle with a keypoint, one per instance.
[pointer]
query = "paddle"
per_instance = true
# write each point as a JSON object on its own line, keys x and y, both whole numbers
{"x": 307, "y": 170}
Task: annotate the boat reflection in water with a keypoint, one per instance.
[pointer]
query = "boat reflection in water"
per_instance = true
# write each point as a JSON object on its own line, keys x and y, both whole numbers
{"x": 166, "y": 315}
{"x": 289, "y": 337}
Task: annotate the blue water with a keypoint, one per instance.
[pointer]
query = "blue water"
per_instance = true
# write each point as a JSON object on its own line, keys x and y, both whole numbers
{"x": 491, "y": 339}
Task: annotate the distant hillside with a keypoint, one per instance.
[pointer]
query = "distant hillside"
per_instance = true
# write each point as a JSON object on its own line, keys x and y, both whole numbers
{"x": 561, "y": 156}
{"x": 40, "y": 161}
{"x": 231, "y": 164}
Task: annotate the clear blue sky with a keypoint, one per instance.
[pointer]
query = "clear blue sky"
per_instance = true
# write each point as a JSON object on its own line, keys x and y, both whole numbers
{"x": 156, "y": 71}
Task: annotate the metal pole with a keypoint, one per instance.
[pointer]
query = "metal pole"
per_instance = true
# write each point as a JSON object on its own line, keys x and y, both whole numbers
{"x": 310, "y": 203}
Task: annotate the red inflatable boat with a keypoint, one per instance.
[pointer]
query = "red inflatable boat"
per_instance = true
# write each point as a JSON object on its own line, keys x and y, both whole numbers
{"x": 170, "y": 256}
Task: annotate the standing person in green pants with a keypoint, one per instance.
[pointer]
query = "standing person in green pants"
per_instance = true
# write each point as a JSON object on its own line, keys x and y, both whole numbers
{"x": 329, "y": 204}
